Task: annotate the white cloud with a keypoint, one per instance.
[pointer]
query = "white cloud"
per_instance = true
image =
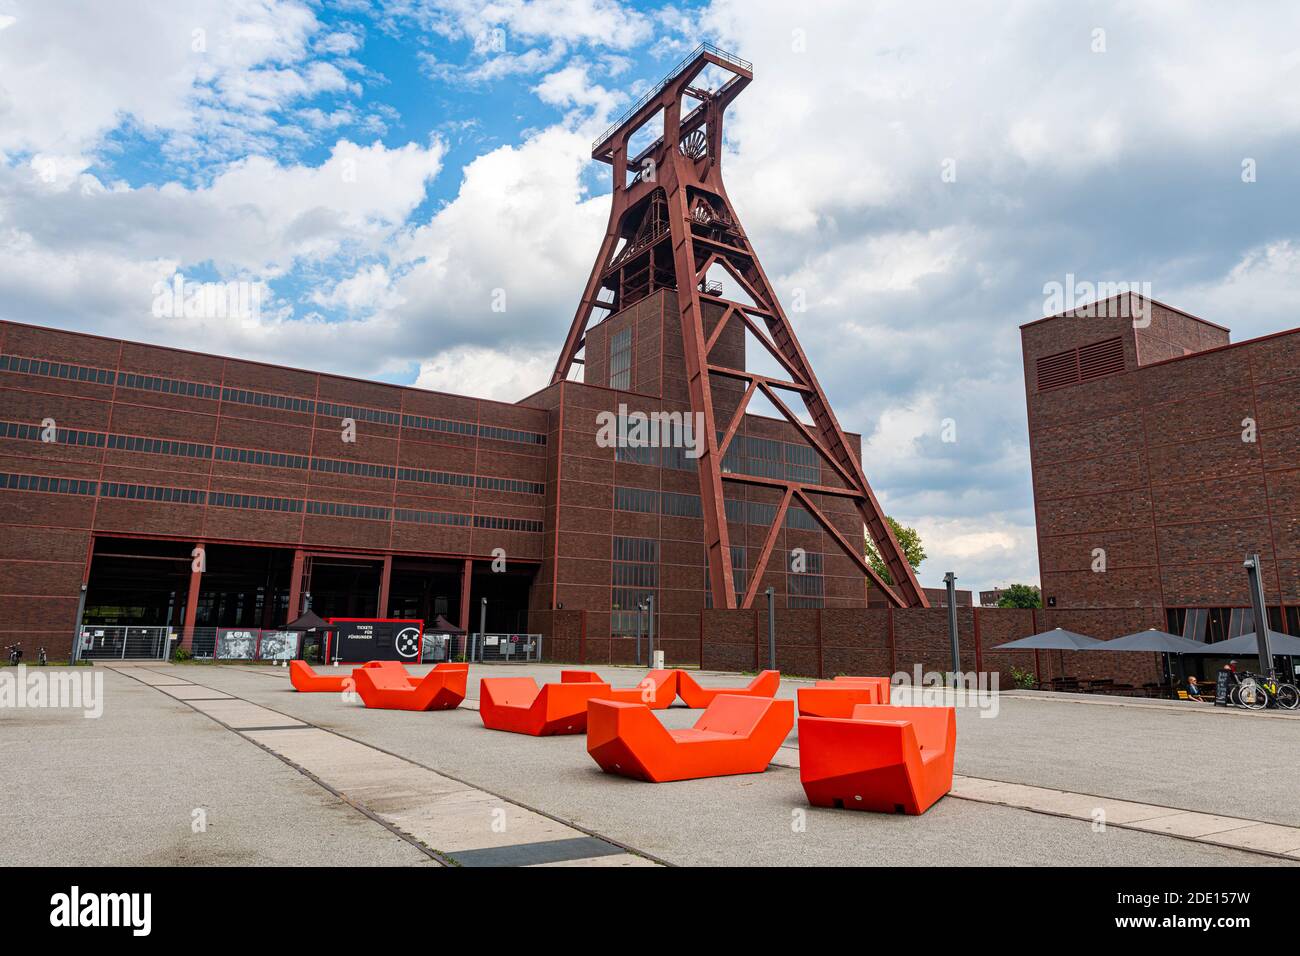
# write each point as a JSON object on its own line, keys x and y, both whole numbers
{"x": 366, "y": 291}
{"x": 256, "y": 216}
{"x": 987, "y": 551}
{"x": 520, "y": 224}
{"x": 186, "y": 70}
{"x": 502, "y": 375}
{"x": 1256, "y": 296}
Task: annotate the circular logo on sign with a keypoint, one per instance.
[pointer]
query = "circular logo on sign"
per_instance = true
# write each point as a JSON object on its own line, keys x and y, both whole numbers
{"x": 407, "y": 641}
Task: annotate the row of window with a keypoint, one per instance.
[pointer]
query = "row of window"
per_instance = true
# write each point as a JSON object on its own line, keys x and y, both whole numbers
{"x": 339, "y": 509}
{"x": 270, "y": 459}
{"x": 175, "y": 496}
{"x": 483, "y": 482}
{"x": 58, "y": 486}
{"x": 761, "y": 457}
{"x": 172, "y": 386}
{"x": 769, "y": 458}
{"x": 646, "y": 501}
{"x": 335, "y": 466}
{"x": 161, "y": 446}
{"x": 240, "y": 396}
{"x": 220, "y": 499}
{"x": 63, "y": 436}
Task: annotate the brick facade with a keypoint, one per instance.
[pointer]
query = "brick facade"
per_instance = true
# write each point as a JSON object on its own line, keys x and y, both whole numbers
{"x": 1172, "y": 454}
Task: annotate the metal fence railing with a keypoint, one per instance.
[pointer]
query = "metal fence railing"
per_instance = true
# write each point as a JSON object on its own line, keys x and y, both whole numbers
{"x": 120, "y": 642}
{"x": 124, "y": 643}
{"x": 506, "y": 648}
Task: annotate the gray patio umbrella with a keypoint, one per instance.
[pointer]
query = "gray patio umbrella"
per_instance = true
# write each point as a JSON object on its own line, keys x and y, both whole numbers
{"x": 1282, "y": 645}
{"x": 1152, "y": 640}
{"x": 1057, "y": 639}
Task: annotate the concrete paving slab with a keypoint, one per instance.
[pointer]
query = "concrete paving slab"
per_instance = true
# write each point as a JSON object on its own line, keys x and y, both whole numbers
{"x": 150, "y": 677}
{"x": 1191, "y": 824}
{"x": 240, "y": 714}
{"x": 192, "y": 692}
{"x": 1261, "y": 836}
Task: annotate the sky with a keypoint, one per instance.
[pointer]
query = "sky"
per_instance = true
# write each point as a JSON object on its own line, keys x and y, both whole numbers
{"x": 383, "y": 172}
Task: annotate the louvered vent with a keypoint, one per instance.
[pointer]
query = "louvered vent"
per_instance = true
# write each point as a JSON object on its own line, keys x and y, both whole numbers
{"x": 1057, "y": 370}
{"x": 1081, "y": 365}
{"x": 1101, "y": 358}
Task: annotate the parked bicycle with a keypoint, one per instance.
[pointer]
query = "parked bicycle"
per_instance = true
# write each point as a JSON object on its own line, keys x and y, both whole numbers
{"x": 1256, "y": 692}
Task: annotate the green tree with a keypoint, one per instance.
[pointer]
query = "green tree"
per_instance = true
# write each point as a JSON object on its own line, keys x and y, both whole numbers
{"x": 908, "y": 540}
{"x": 1020, "y": 595}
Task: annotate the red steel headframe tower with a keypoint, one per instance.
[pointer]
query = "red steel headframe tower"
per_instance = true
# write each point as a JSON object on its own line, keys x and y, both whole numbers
{"x": 671, "y": 223}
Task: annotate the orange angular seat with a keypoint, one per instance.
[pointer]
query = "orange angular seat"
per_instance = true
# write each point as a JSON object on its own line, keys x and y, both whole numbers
{"x": 884, "y": 758}
{"x": 657, "y": 690}
{"x": 734, "y": 735}
{"x": 766, "y": 684}
{"x": 838, "y": 697}
{"x": 388, "y": 688}
{"x": 307, "y": 681}
{"x": 518, "y": 705}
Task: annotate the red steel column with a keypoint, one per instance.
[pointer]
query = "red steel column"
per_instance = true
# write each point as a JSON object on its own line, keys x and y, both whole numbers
{"x": 295, "y": 586}
{"x": 192, "y": 597}
{"x": 385, "y": 579}
{"x": 466, "y": 573}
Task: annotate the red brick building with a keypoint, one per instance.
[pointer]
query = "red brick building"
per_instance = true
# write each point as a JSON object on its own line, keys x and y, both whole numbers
{"x": 1162, "y": 454}
{"x": 118, "y": 460}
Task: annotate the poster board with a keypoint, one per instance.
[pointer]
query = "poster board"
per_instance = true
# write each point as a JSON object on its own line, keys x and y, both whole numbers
{"x": 361, "y": 639}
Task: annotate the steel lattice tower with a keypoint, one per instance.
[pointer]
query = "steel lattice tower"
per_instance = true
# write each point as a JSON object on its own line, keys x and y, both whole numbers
{"x": 671, "y": 222}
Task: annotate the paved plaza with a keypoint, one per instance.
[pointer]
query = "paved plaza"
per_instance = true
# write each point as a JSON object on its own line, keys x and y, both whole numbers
{"x": 226, "y": 764}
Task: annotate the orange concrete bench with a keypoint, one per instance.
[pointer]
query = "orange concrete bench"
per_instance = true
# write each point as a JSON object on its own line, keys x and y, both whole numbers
{"x": 518, "y": 705}
{"x": 838, "y": 697}
{"x": 765, "y": 684}
{"x": 884, "y": 758}
{"x": 387, "y": 688}
{"x": 657, "y": 690}
{"x": 734, "y": 735}
{"x": 307, "y": 681}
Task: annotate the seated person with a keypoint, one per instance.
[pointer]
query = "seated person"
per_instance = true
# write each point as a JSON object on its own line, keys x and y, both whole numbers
{"x": 1193, "y": 689}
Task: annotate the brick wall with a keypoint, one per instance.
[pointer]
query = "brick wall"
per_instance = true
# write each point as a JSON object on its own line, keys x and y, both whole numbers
{"x": 822, "y": 643}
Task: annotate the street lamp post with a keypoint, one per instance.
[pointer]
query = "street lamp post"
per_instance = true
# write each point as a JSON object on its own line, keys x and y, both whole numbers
{"x": 482, "y": 626}
{"x": 1261, "y": 613}
{"x": 650, "y": 627}
{"x": 771, "y": 628}
{"x": 640, "y": 621}
{"x": 950, "y": 582}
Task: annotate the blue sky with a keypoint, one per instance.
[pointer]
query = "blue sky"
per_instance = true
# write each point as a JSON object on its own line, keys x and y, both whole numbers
{"x": 382, "y": 168}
